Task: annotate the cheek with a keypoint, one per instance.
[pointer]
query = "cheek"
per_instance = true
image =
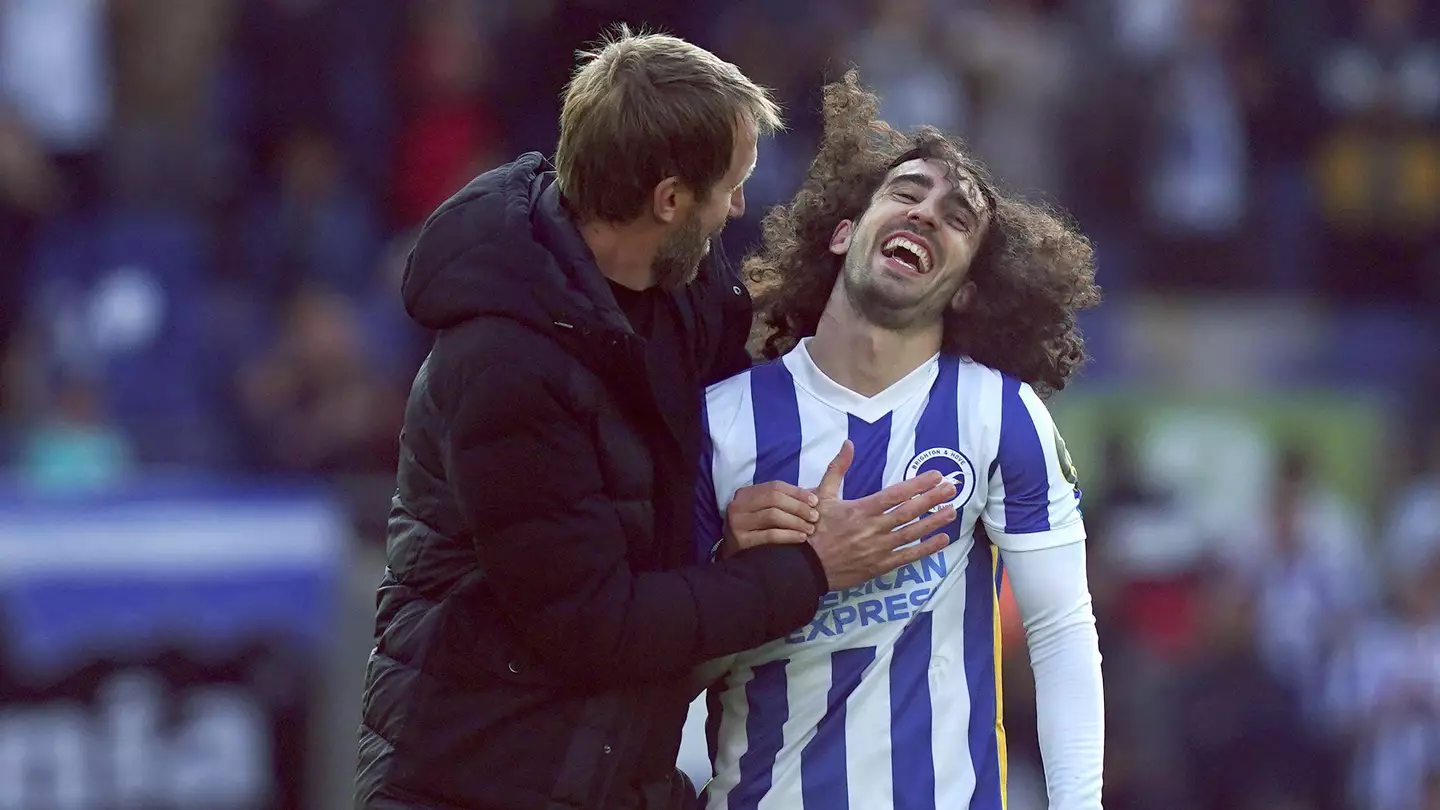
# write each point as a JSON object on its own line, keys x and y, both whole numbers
{"x": 961, "y": 252}
{"x": 714, "y": 217}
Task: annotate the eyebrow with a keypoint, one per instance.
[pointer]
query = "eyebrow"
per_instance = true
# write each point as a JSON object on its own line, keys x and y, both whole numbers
{"x": 927, "y": 182}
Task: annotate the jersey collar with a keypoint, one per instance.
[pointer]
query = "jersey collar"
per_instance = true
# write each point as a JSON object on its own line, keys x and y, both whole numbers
{"x": 808, "y": 376}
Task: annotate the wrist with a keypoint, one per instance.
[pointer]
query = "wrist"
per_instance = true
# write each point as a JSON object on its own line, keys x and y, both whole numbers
{"x": 726, "y": 547}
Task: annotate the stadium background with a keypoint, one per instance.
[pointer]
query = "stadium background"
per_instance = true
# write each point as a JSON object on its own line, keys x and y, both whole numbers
{"x": 205, "y": 206}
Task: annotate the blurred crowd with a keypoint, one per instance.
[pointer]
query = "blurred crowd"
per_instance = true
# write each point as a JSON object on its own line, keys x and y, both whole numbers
{"x": 1279, "y": 656}
{"x": 205, "y": 208}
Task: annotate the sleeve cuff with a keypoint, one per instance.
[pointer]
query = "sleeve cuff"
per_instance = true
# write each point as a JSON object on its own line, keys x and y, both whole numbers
{"x": 822, "y": 582}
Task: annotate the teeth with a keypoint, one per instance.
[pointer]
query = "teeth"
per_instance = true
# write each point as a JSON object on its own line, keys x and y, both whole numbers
{"x": 899, "y": 241}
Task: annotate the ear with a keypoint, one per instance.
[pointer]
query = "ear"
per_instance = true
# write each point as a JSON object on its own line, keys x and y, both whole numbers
{"x": 963, "y": 297}
{"x": 840, "y": 240}
{"x": 669, "y": 200}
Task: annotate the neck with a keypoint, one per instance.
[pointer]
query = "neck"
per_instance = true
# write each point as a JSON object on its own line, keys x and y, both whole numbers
{"x": 864, "y": 357}
{"x": 625, "y": 253}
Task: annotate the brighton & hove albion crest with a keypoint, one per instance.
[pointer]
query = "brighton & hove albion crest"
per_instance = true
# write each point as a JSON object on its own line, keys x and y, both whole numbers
{"x": 953, "y": 465}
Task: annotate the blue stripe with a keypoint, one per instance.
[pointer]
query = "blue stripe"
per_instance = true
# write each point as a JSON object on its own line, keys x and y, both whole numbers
{"x": 777, "y": 424}
{"x": 1022, "y": 465}
{"x": 979, "y": 658}
{"x": 767, "y": 710}
{"x": 872, "y": 445}
{"x": 778, "y": 440}
{"x": 823, "y": 771}
{"x": 823, "y": 780}
{"x": 708, "y": 523}
{"x": 912, "y": 753}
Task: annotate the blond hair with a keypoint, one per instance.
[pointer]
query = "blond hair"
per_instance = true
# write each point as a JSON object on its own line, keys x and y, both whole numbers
{"x": 644, "y": 107}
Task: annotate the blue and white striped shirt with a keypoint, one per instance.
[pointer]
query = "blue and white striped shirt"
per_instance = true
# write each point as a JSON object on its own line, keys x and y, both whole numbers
{"x": 889, "y": 698}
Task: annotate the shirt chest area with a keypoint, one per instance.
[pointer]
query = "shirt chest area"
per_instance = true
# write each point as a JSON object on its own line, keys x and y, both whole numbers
{"x": 901, "y": 447}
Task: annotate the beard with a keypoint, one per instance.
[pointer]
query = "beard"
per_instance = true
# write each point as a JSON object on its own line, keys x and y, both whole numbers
{"x": 879, "y": 303}
{"x": 678, "y": 261}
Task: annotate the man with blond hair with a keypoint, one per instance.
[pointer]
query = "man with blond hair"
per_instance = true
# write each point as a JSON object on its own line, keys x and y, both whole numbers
{"x": 543, "y": 600}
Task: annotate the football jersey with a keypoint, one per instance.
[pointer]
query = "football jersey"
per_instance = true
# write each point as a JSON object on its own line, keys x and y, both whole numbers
{"x": 889, "y": 697}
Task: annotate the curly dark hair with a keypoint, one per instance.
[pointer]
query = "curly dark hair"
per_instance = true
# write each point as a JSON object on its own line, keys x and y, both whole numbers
{"x": 1033, "y": 270}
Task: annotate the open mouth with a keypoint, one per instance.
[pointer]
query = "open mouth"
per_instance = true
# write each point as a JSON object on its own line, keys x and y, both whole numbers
{"x": 908, "y": 250}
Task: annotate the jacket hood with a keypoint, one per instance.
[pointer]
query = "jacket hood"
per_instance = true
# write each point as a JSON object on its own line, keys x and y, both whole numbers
{"x": 504, "y": 245}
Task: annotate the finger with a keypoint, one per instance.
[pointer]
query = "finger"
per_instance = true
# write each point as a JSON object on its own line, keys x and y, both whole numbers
{"x": 780, "y": 519}
{"x": 919, "y": 505}
{"x": 896, "y": 494}
{"x": 785, "y": 502}
{"x": 776, "y": 537}
{"x": 785, "y": 512}
{"x": 799, "y": 494}
{"x": 769, "y": 537}
{"x": 917, "y": 552}
{"x": 923, "y": 527}
{"x": 926, "y": 500}
{"x": 835, "y": 473}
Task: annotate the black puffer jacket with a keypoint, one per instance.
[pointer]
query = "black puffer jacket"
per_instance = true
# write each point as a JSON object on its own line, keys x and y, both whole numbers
{"x": 542, "y": 604}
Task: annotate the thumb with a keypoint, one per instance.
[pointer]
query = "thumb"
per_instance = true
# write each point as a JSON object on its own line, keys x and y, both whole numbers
{"x": 829, "y": 488}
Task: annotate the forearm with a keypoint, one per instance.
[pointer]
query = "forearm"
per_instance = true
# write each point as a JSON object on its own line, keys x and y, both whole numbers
{"x": 591, "y": 617}
{"x": 559, "y": 559}
{"x": 1054, "y": 600}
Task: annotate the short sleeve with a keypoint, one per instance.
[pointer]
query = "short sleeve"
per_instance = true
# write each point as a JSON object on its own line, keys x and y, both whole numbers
{"x": 726, "y": 459}
{"x": 1034, "y": 492}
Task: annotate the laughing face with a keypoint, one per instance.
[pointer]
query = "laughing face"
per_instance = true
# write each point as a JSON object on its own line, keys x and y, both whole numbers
{"x": 907, "y": 258}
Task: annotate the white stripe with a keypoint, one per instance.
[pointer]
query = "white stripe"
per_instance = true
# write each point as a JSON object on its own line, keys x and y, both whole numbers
{"x": 803, "y": 685}
{"x": 165, "y": 540}
{"x": 731, "y": 741}
{"x": 732, "y": 421}
{"x": 824, "y": 431}
{"x": 867, "y": 720}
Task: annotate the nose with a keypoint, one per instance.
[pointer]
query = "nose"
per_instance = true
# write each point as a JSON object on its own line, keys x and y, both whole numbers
{"x": 737, "y": 203}
{"x": 923, "y": 213}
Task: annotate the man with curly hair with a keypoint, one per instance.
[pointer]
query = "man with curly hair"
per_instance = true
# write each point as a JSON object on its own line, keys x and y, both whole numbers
{"x": 916, "y": 315}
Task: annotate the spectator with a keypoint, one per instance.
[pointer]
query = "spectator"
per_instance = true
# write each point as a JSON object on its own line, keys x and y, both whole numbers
{"x": 55, "y": 78}
{"x": 1307, "y": 594}
{"x": 1384, "y": 695}
{"x": 313, "y": 227}
{"x": 73, "y": 445}
{"x": 1413, "y": 523}
{"x": 901, "y": 55}
{"x": 1017, "y": 62}
{"x": 323, "y": 63}
{"x": 54, "y": 114}
{"x": 449, "y": 134}
{"x": 1379, "y": 158}
{"x": 1196, "y": 180}
{"x": 168, "y": 56}
{"x": 1242, "y": 731}
{"x": 312, "y": 403}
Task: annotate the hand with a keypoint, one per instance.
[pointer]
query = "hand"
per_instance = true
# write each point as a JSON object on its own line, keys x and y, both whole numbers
{"x": 770, "y": 513}
{"x": 857, "y": 540}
